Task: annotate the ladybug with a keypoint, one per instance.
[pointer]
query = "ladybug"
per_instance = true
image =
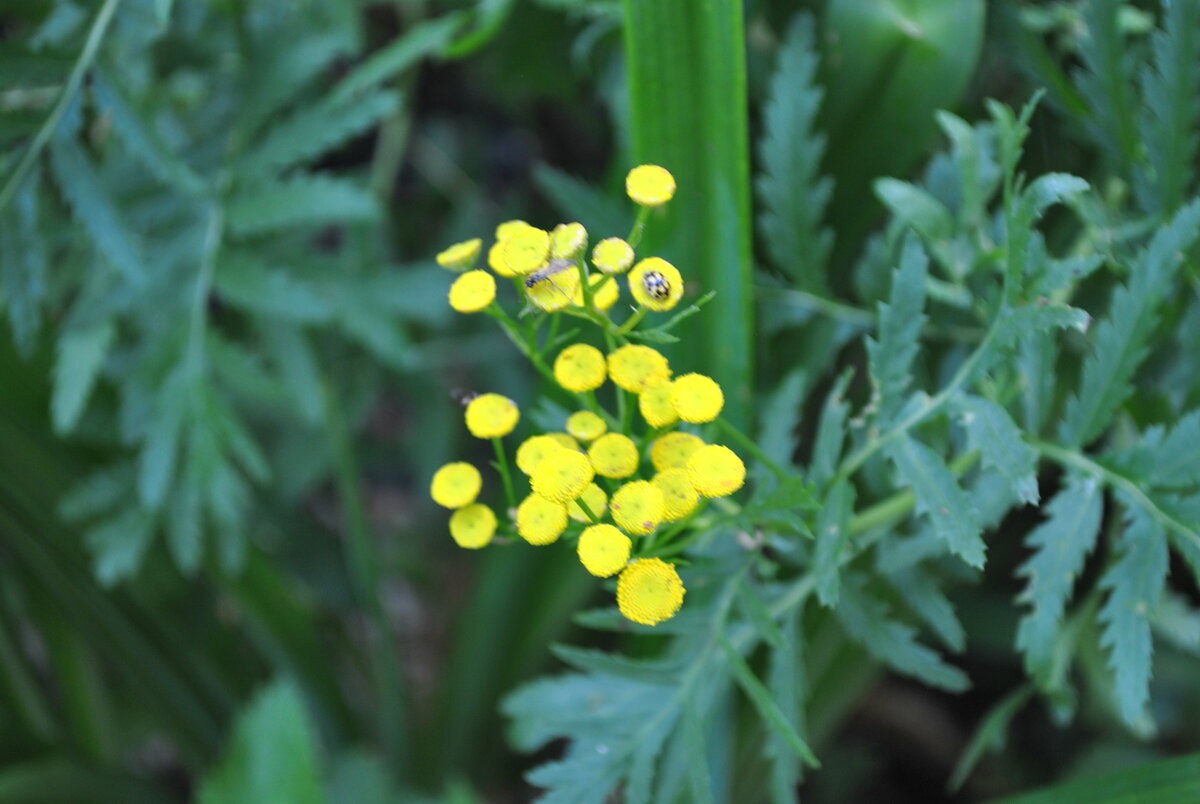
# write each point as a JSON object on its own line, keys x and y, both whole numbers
{"x": 656, "y": 285}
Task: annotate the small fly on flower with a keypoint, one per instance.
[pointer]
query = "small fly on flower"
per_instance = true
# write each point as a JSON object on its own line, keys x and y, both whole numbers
{"x": 656, "y": 285}
{"x": 554, "y": 267}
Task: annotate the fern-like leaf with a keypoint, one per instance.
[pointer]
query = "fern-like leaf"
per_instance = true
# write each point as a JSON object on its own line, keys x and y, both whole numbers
{"x": 1106, "y": 81}
{"x": 793, "y": 193}
{"x": 1171, "y": 86}
{"x": 301, "y": 200}
{"x": 1120, "y": 344}
{"x": 1061, "y": 542}
{"x": 1134, "y": 584}
{"x": 81, "y": 353}
{"x": 993, "y": 432}
{"x": 900, "y": 322}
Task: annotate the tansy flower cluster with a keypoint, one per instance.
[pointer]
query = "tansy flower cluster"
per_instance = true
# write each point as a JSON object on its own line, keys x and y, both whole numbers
{"x": 624, "y": 479}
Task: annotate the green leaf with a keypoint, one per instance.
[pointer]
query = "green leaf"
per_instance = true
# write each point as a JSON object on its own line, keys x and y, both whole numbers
{"x": 831, "y": 432}
{"x": 304, "y": 199}
{"x": 992, "y": 431}
{"x": 689, "y": 113}
{"x": 1168, "y": 780}
{"x": 1030, "y": 205}
{"x": 1121, "y": 339}
{"x": 81, "y": 353}
{"x": 921, "y": 594}
{"x": 1175, "y": 464}
{"x": 990, "y": 735}
{"x": 23, "y": 267}
{"x": 1134, "y": 583}
{"x": 1171, "y": 87}
{"x": 119, "y": 544}
{"x": 760, "y": 696}
{"x": 917, "y": 208}
{"x": 1062, "y": 542}
{"x": 938, "y": 495}
{"x": 185, "y": 522}
{"x": 156, "y": 462}
{"x": 95, "y": 210}
{"x": 865, "y": 618}
{"x": 314, "y": 130}
{"x": 833, "y": 532}
{"x": 780, "y": 418}
{"x": 788, "y": 683}
{"x": 793, "y": 193}
{"x": 271, "y": 756}
{"x": 292, "y": 354}
{"x": 892, "y": 352}
{"x": 419, "y": 41}
{"x": 246, "y": 281}
{"x": 1106, "y": 81}
{"x": 577, "y": 200}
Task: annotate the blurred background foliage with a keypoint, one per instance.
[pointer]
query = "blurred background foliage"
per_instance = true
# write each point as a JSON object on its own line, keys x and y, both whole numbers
{"x": 228, "y": 365}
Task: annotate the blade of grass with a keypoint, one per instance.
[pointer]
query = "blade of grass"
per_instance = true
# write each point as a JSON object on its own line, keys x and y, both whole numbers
{"x": 687, "y": 86}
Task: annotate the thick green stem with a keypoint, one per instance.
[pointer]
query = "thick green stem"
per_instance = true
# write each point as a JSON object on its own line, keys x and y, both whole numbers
{"x": 505, "y": 474}
{"x": 748, "y": 444}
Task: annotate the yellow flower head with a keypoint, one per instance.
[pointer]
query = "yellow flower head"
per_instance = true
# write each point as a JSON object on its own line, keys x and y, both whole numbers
{"x": 650, "y": 185}
{"x": 562, "y": 475}
{"x": 716, "y": 471}
{"x": 565, "y": 441}
{"x": 634, "y": 366}
{"x": 612, "y": 255}
{"x": 580, "y": 367}
{"x": 534, "y": 450}
{"x": 586, "y": 426}
{"x": 594, "y": 498}
{"x": 656, "y": 406}
{"x": 555, "y": 291}
{"x": 473, "y": 291}
{"x": 614, "y": 455}
{"x": 656, "y": 284}
{"x": 510, "y": 228}
{"x": 604, "y": 550}
{"x": 456, "y": 485}
{"x": 460, "y": 256}
{"x": 472, "y": 527}
{"x": 697, "y": 398}
{"x": 492, "y": 416}
{"x": 650, "y": 591}
{"x": 496, "y": 260}
{"x": 526, "y": 250}
{"x": 679, "y": 495}
{"x": 672, "y": 450}
{"x": 568, "y": 241}
{"x": 540, "y": 521}
{"x": 605, "y": 292}
{"x": 637, "y": 507}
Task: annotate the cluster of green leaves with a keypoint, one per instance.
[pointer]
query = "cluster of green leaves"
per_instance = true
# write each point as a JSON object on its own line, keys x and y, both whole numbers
{"x": 1032, "y": 404}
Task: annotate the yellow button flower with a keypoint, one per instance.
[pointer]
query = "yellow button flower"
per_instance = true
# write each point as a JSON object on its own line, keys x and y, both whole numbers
{"x": 568, "y": 241}
{"x": 633, "y": 367}
{"x": 492, "y": 416}
{"x": 716, "y": 471}
{"x": 496, "y": 260}
{"x": 650, "y": 591}
{"x": 555, "y": 291}
{"x": 594, "y": 498}
{"x": 534, "y": 450}
{"x": 604, "y": 296}
{"x": 586, "y": 426}
{"x": 562, "y": 475}
{"x": 650, "y": 185}
{"x": 456, "y": 485}
{"x": 526, "y": 250}
{"x": 679, "y": 495}
{"x": 604, "y": 550}
{"x": 580, "y": 367}
{"x": 672, "y": 450}
{"x": 614, "y": 455}
{"x": 612, "y": 255}
{"x": 473, "y": 291}
{"x": 697, "y": 398}
{"x": 637, "y": 507}
{"x": 510, "y": 228}
{"x": 656, "y": 406}
{"x": 566, "y": 441}
{"x": 473, "y": 527}
{"x": 460, "y": 256}
{"x": 540, "y": 521}
{"x": 656, "y": 284}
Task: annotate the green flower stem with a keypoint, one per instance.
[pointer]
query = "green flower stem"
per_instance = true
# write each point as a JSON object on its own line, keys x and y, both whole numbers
{"x": 1077, "y": 460}
{"x": 819, "y": 304}
{"x": 631, "y": 322}
{"x": 505, "y": 474}
{"x": 363, "y": 563}
{"x": 639, "y": 226}
{"x": 74, "y": 80}
{"x": 579, "y": 501}
{"x": 658, "y": 547}
{"x": 627, "y": 404}
{"x": 748, "y": 444}
{"x": 510, "y": 329}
